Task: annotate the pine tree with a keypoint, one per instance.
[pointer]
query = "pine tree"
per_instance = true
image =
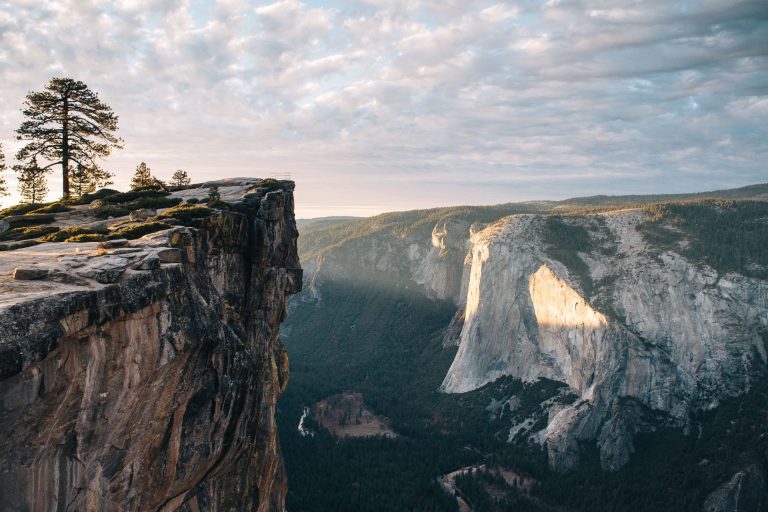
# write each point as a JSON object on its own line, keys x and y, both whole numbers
{"x": 67, "y": 123}
{"x": 33, "y": 183}
{"x": 142, "y": 177}
{"x": 213, "y": 194}
{"x": 85, "y": 180}
{"x": 180, "y": 179}
{"x": 3, "y": 184}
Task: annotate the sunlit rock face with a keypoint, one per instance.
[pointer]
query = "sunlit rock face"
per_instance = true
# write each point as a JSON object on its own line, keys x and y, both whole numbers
{"x": 657, "y": 337}
{"x": 156, "y": 391}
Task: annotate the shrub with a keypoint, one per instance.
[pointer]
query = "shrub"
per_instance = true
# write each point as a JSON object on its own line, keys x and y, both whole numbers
{"x": 154, "y": 202}
{"x": 26, "y": 233}
{"x": 65, "y": 234}
{"x": 52, "y": 208}
{"x": 186, "y": 212}
{"x": 193, "y": 200}
{"x": 111, "y": 211}
{"x": 138, "y": 230}
{"x": 133, "y": 195}
{"x": 86, "y": 237}
{"x": 99, "y": 194}
{"x": 21, "y": 209}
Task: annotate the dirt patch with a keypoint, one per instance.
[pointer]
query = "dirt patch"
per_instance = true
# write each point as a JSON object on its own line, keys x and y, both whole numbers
{"x": 345, "y": 415}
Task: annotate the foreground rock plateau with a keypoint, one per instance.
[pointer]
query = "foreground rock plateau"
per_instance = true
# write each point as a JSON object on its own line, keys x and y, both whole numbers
{"x": 143, "y": 375}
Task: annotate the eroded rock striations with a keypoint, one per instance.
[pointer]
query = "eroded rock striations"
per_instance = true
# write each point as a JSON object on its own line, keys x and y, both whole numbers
{"x": 145, "y": 377}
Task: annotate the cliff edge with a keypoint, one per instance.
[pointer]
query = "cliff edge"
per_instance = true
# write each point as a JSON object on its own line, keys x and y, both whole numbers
{"x": 143, "y": 375}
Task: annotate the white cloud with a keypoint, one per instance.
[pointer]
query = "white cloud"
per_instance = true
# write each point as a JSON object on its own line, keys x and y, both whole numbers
{"x": 485, "y": 101}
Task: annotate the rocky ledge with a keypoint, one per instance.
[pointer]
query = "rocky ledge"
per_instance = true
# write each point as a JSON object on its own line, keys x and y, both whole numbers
{"x": 143, "y": 374}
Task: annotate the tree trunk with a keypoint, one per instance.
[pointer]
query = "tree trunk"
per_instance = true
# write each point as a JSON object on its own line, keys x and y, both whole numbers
{"x": 65, "y": 150}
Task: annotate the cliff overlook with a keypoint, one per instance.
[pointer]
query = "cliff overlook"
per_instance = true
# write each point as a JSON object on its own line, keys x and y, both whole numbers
{"x": 143, "y": 374}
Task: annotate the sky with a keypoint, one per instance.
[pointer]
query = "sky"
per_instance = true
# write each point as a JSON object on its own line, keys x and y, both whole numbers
{"x": 374, "y": 105}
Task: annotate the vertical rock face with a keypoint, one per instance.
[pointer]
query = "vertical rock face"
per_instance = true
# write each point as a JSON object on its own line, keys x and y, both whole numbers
{"x": 657, "y": 337}
{"x": 156, "y": 391}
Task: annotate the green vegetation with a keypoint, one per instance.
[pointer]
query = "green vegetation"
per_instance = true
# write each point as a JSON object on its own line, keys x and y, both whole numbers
{"x": 349, "y": 341}
{"x": 86, "y": 237}
{"x": 65, "y": 123}
{"x": 730, "y": 236}
{"x": 56, "y": 207}
{"x": 27, "y": 233}
{"x": 186, "y": 212}
{"x": 106, "y": 212}
{"x": 99, "y": 194}
{"x": 20, "y": 209}
{"x": 138, "y": 230}
{"x": 565, "y": 240}
{"x": 63, "y": 235}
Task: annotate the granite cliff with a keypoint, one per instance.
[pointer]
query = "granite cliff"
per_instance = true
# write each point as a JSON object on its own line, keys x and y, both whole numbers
{"x": 647, "y": 320}
{"x": 144, "y": 375}
{"x": 640, "y": 334}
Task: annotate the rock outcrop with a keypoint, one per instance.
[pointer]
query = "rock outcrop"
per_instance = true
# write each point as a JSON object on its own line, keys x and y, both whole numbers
{"x": 145, "y": 377}
{"x": 746, "y": 491}
{"x": 656, "y": 337}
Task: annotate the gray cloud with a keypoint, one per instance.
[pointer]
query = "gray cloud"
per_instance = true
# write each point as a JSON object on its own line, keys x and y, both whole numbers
{"x": 379, "y": 105}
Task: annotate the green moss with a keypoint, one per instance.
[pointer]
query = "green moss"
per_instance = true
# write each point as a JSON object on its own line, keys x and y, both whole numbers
{"x": 186, "y": 212}
{"x": 21, "y": 209}
{"x": 138, "y": 230}
{"x": 99, "y": 194}
{"x": 110, "y": 211}
{"x": 27, "y": 233}
{"x": 52, "y": 208}
{"x": 67, "y": 233}
{"x": 86, "y": 237}
{"x": 134, "y": 195}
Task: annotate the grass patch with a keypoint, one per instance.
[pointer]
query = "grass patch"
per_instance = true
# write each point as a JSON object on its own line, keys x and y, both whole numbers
{"x": 138, "y": 230}
{"x": 186, "y": 212}
{"x": 86, "y": 237}
{"x": 65, "y": 234}
{"x": 99, "y": 194}
{"x": 52, "y": 208}
{"x": 134, "y": 195}
{"x": 110, "y": 211}
{"x": 21, "y": 209}
{"x": 27, "y": 233}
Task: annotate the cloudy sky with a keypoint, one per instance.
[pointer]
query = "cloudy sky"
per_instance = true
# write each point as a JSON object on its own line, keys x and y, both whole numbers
{"x": 376, "y": 105}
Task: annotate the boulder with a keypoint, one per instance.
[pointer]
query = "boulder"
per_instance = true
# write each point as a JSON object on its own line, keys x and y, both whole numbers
{"x": 169, "y": 255}
{"x": 4, "y": 226}
{"x": 142, "y": 214}
{"x": 29, "y": 273}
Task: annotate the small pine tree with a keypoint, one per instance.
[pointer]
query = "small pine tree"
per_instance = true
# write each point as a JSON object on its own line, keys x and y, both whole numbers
{"x": 33, "y": 183}
{"x": 213, "y": 194}
{"x": 142, "y": 177}
{"x": 85, "y": 180}
{"x": 3, "y": 184}
{"x": 180, "y": 178}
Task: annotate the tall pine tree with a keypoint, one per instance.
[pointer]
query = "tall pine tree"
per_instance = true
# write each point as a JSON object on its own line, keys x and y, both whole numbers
{"x": 67, "y": 123}
{"x": 33, "y": 182}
